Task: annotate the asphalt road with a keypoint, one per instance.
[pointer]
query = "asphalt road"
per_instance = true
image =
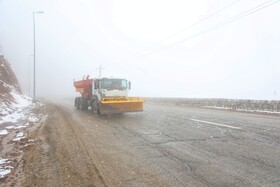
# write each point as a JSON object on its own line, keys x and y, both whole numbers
{"x": 170, "y": 145}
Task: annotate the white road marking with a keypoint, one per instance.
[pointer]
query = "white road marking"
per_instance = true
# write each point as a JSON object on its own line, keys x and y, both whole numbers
{"x": 217, "y": 124}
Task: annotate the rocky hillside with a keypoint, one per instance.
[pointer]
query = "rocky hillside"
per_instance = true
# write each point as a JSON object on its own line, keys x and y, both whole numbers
{"x": 19, "y": 115}
{"x": 8, "y": 82}
{"x": 12, "y": 101}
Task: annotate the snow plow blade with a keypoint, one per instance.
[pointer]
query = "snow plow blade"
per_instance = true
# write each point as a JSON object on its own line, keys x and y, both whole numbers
{"x": 121, "y": 105}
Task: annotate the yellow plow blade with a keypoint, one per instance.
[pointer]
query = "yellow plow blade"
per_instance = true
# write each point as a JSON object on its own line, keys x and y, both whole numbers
{"x": 121, "y": 105}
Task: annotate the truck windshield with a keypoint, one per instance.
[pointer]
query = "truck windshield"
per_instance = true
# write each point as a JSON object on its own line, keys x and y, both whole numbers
{"x": 114, "y": 84}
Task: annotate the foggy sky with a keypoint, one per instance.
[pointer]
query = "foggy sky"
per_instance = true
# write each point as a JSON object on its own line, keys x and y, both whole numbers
{"x": 238, "y": 60}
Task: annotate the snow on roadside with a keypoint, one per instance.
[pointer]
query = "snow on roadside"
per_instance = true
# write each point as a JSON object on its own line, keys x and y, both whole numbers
{"x": 15, "y": 111}
{"x": 3, "y": 132}
{"x": 4, "y": 168}
{"x": 19, "y": 116}
{"x": 4, "y": 171}
{"x": 33, "y": 119}
{"x": 16, "y": 114}
{"x": 17, "y": 127}
{"x": 21, "y": 101}
{"x": 3, "y": 161}
{"x": 19, "y": 136}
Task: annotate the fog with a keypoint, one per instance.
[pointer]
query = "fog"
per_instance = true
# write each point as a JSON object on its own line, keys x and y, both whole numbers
{"x": 178, "y": 48}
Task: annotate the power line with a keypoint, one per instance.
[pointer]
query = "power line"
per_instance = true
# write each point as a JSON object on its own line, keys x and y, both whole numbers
{"x": 223, "y": 23}
{"x": 192, "y": 25}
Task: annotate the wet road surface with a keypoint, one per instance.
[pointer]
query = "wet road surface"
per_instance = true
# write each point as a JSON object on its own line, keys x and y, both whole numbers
{"x": 165, "y": 145}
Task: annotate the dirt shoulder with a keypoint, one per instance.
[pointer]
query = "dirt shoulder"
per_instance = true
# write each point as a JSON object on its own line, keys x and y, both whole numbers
{"x": 59, "y": 157}
{"x": 75, "y": 148}
{"x": 16, "y": 142}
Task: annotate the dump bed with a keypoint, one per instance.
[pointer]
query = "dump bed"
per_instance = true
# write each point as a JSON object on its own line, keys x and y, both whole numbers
{"x": 84, "y": 87}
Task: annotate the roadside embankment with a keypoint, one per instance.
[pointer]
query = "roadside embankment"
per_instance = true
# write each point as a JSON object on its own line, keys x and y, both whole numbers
{"x": 19, "y": 116}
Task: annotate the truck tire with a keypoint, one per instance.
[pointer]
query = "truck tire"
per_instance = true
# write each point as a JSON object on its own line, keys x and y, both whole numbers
{"x": 95, "y": 107}
{"x": 84, "y": 105}
{"x": 77, "y": 103}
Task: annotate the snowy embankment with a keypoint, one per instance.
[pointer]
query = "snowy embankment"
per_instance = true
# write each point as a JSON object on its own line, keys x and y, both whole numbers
{"x": 15, "y": 117}
{"x": 18, "y": 115}
{"x": 12, "y": 112}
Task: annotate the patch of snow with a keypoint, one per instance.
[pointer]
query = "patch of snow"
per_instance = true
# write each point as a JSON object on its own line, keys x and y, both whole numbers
{"x": 30, "y": 140}
{"x": 3, "y": 172}
{"x": 20, "y": 134}
{"x": 14, "y": 112}
{"x": 16, "y": 127}
{"x": 33, "y": 119}
{"x": 13, "y": 118}
{"x": 3, "y": 161}
{"x": 21, "y": 101}
{"x": 6, "y": 85}
{"x": 3, "y": 132}
{"x": 10, "y": 167}
{"x": 20, "y": 127}
{"x": 4, "y": 109}
{"x": 18, "y": 139}
{"x": 17, "y": 110}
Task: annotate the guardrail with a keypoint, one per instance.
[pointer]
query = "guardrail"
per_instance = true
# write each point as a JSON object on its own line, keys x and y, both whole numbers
{"x": 266, "y": 106}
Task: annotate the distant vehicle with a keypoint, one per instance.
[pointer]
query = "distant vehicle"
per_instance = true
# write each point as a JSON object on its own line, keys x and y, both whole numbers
{"x": 106, "y": 96}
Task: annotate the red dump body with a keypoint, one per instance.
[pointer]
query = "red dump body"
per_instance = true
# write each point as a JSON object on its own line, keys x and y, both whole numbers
{"x": 84, "y": 87}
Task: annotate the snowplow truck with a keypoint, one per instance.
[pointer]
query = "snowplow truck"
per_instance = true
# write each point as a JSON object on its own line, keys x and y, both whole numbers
{"x": 106, "y": 96}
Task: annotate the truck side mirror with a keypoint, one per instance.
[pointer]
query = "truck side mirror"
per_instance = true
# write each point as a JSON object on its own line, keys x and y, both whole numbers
{"x": 129, "y": 85}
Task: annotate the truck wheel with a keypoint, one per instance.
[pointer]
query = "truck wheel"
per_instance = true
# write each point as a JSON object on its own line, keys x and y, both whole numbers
{"x": 84, "y": 105}
{"x": 95, "y": 108}
{"x": 79, "y": 105}
{"x": 76, "y": 103}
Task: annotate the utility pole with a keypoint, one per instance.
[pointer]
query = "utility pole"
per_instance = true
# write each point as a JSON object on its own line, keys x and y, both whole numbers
{"x": 100, "y": 71}
{"x": 29, "y": 75}
{"x": 34, "y": 55}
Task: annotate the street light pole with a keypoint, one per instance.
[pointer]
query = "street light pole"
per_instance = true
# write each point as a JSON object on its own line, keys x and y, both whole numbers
{"x": 29, "y": 74}
{"x": 34, "y": 55}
